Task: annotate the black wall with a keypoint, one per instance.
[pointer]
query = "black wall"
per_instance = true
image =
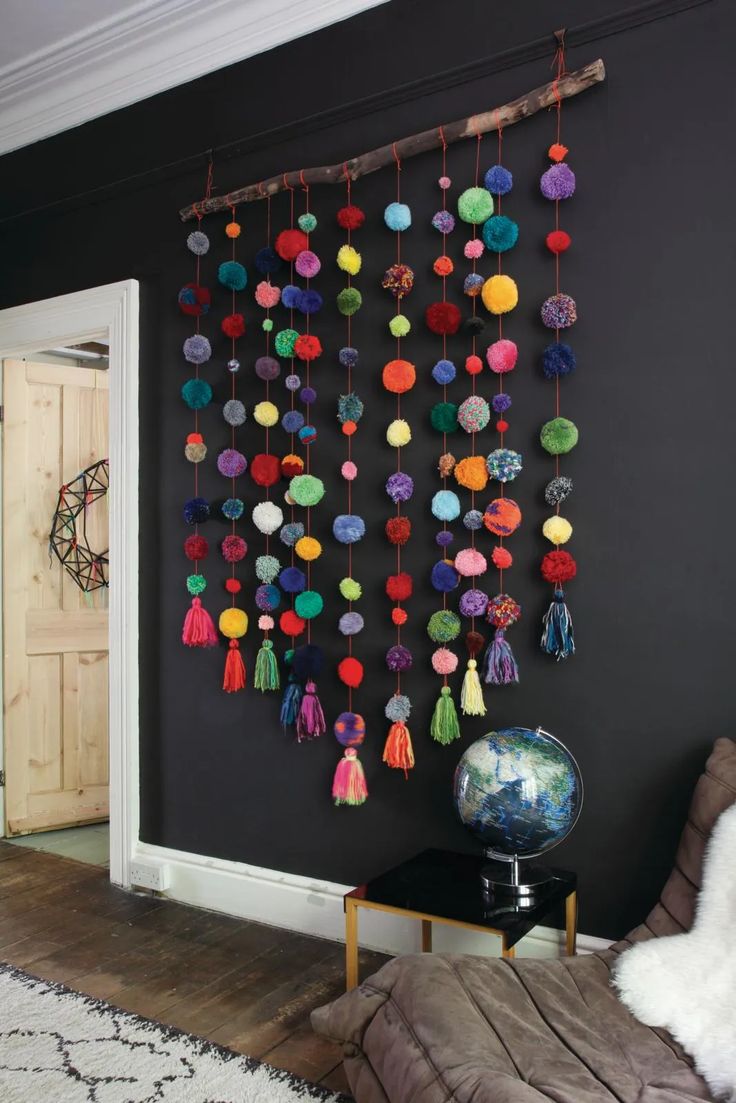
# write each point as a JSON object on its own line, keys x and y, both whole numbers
{"x": 652, "y": 270}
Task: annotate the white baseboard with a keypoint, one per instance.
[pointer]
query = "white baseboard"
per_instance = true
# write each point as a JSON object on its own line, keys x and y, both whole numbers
{"x": 314, "y": 907}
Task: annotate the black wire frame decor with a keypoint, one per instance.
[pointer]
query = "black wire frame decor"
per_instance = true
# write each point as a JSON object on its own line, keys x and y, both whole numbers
{"x": 68, "y": 539}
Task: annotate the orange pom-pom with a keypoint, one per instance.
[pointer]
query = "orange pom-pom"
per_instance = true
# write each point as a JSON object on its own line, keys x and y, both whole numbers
{"x": 399, "y": 376}
{"x": 501, "y": 558}
{"x": 349, "y": 427}
{"x": 473, "y": 365}
{"x": 557, "y": 152}
{"x": 472, "y": 472}
{"x": 399, "y": 616}
{"x": 233, "y": 229}
{"x": 443, "y": 266}
{"x": 292, "y": 465}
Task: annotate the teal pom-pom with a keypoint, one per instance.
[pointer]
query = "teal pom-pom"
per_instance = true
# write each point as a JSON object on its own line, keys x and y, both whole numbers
{"x": 307, "y": 222}
{"x": 197, "y": 393}
{"x": 232, "y": 275}
{"x": 443, "y": 417}
{"x": 397, "y": 216}
{"x": 349, "y": 408}
{"x": 500, "y": 233}
{"x": 196, "y": 584}
{"x": 308, "y": 604}
{"x": 232, "y": 508}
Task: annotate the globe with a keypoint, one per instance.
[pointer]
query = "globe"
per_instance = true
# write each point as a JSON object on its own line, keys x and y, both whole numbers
{"x": 518, "y": 791}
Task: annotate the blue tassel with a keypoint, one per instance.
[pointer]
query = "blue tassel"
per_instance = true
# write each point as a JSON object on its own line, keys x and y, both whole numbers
{"x": 557, "y": 637}
{"x": 290, "y": 703}
{"x": 499, "y": 666}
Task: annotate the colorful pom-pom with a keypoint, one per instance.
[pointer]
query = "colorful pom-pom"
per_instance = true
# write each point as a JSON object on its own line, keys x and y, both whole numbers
{"x": 397, "y": 216}
{"x": 290, "y": 243}
{"x": 196, "y": 547}
{"x": 473, "y": 414}
{"x": 350, "y": 589}
{"x": 474, "y": 248}
{"x": 309, "y": 301}
{"x": 265, "y": 469}
{"x": 558, "y": 567}
{"x": 473, "y": 364}
{"x": 557, "y": 530}
{"x": 558, "y": 182}
{"x": 268, "y": 597}
{"x": 266, "y": 414}
{"x": 399, "y": 658}
{"x": 232, "y": 585}
{"x": 306, "y": 490}
{"x": 558, "y": 436}
{"x": 559, "y": 312}
{"x": 307, "y": 222}
{"x": 502, "y": 516}
{"x": 284, "y": 342}
{"x": 197, "y": 349}
{"x": 502, "y": 557}
{"x": 196, "y": 584}
{"x": 267, "y": 261}
{"x": 349, "y": 729}
{"x": 398, "y": 708}
{"x": 398, "y": 530}
{"x": 558, "y": 359}
{"x": 198, "y": 243}
{"x": 473, "y": 519}
{"x": 501, "y": 402}
{"x": 267, "y": 517}
{"x": 398, "y": 279}
{"x": 348, "y": 528}
{"x": 291, "y": 532}
{"x": 399, "y": 376}
{"x": 504, "y": 464}
{"x": 292, "y": 580}
{"x": 291, "y": 465}
{"x": 349, "y": 408}
{"x": 196, "y": 511}
{"x": 195, "y": 450}
{"x": 349, "y": 470}
{"x": 308, "y": 347}
{"x": 443, "y": 318}
{"x": 502, "y": 356}
{"x": 503, "y": 611}
{"x": 234, "y": 412}
{"x": 266, "y": 623}
{"x": 443, "y": 626}
{"x": 233, "y": 548}
{"x": 558, "y": 490}
{"x": 473, "y": 603}
{"x": 470, "y": 563}
{"x": 446, "y": 464}
{"x": 444, "y": 577}
{"x": 398, "y": 433}
{"x": 350, "y": 624}
{"x": 473, "y": 285}
{"x": 233, "y": 325}
{"x": 348, "y": 357}
{"x": 349, "y": 259}
{"x": 194, "y": 300}
{"x": 471, "y": 472}
{"x": 399, "y": 616}
{"x": 267, "y": 568}
{"x": 443, "y": 221}
{"x": 475, "y": 205}
{"x": 291, "y": 624}
{"x": 399, "y": 486}
{"x": 500, "y": 233}
{"x": 500, "y": 294}
{"x": 444, "y": 372}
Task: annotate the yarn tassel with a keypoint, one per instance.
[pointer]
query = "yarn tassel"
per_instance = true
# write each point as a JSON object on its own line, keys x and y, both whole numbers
{"x": 398, "y": 751}
{"x": 471, "y": 694}
{"x": 445, "y": 726}
{"x": 311, "y": 720}
{"x": 500, "y": 667}
{"x": 266, "y": 674}
{"x": 557, "y": 636}
{"x": 348, "y": 786}
{"x": 199, "y": 629}
{"x": 290, "y": 703}
{"x": 234, "y": 669}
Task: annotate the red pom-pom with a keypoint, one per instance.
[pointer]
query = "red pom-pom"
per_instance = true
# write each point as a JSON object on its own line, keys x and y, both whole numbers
{"x": 399, "y": 376}
{"x": 443, "y": 318}
{"x": 399, "y": 586}
{"x": 349, "y": 427}
{"x": 196, "y": 547}
{"x": 557, "y": 152}
{"x": 473, "y": 365}
{"x": 350, "y": 671}
{"x": 232, "y": 585}
{"x": 502, "y": 425}
{"x": 502, "y": 558}
{"x": 308, "y": 347}
{"x": 350, "y": 218}
{"x": 291, "y": 624}
{"x": 200, "y": 297}
{"x": 398, "y": 529}
{"x": 292, "y": 465}
{"x": 558, "y": 567}
{"x": 195, "y": 438}
{"x": 233, "y": 325}
{"x": 290, "y": 243}
{"x": 234, "y": 548}
{"x": 265, "y": 470}
{"x": 399, "y": 616}
{"x": 558, "y": 241}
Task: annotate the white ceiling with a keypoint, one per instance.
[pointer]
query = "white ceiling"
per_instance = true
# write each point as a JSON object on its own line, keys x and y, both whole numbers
{"x": 63, "y": 62}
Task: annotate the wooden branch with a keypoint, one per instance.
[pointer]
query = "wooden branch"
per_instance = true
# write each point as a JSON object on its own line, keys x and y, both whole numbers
{"x": 572, "y": 84}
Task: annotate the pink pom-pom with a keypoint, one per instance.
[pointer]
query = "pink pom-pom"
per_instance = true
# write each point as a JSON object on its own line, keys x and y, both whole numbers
{"x": 267, "y": 295}
{"x": 265, "y": 623}
{"x": 444, "y": 182}
{"x": 502, "y": 356}
{"x": 349, "y": 470}
{"x": 308, "y": 264}
{"x": 474, "y": 248}
{"x": 444, "y": 661}
{"x": 470, "y": 563}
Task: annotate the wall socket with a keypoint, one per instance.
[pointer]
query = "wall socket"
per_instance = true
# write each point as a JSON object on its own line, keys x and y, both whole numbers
{"x": 150, "y": 875}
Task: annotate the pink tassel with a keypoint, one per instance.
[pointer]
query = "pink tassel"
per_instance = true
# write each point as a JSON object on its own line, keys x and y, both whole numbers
{"x": 311, "y": 720}
{"x": 198, "y": 630}
{"x": 349, "y": 785}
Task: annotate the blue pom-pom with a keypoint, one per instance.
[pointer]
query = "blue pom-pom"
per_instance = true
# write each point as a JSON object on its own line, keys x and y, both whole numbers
{"x": 444, "y": 577}
{"x": 445, "y": 505}
{"x": 498, "y": 180}
{"x": 348, "y": 357}
{"x": 500, "y": 233}
{"x": 350, "y": 624}
{"x": 232, "y": 508}
{"x": 444, "y": 372}
{"x": 268, "y": 597}
{"x": 292, "y": 580}
{"x": 397, "y": 216}
{"x": 292, "y": 421}
{"x": 290, "y": 296}
{"x": 231, "y": 274}
{"x": 472, "y": 283}
{"x": 291, "y": 532}
{"x": 196, "y": 511}
{"x": 349, "y": 408}
{"x": 558, "y": 359}
{"x": 348, "y": 528}
{"x": 197, "y": 393}
{"x": 308, "y": 395}
{"x": 473, "y": 520}
{"x": 309, "y": 302}
{"x": 267, "y": 261}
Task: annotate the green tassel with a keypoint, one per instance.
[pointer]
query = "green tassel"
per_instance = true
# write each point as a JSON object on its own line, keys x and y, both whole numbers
{"x": 445, "y": 726}
{"x": 267, "y": 668}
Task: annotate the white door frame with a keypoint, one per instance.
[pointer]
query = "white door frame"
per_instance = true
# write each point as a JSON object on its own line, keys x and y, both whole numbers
{"x": 109, "y": 312}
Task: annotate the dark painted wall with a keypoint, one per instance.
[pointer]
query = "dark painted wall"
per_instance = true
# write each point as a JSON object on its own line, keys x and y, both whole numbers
{"x": 652, "y": 269}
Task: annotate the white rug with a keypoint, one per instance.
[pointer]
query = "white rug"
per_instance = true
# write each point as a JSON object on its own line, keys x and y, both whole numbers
{"x": 57, "y": 1046}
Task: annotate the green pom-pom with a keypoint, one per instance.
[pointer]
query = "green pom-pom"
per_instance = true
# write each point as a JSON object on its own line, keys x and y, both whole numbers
{"x": 443, "y": 416}
{"x": 306, "y": 490}
{"x": 445, "y": 726}
{"x": 308, "y": 604}
{"x": 267, "y": 325}
{"x": 399, "y": 325}
{"x": 288, "y": 656}
{"x": 307, "y": 222}
{"x": 443, "y": 626}
{"x": 349, "y": 301}
{"x": 349, "y": 408}
{"x": 475, "y": 205}
{"x": 558, "y": 436}
{"x": 267, "y": 568}
{"x": 350, "y": 589}
{"x": 196, "y": 584}
{"x": 284, "y": 342}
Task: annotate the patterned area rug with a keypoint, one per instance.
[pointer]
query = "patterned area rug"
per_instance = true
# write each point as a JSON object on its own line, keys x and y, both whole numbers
{"x": 58, "y": 1046}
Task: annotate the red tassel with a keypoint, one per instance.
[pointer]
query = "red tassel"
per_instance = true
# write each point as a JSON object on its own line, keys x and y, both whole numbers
{"x": 349, "y": 785}
{"x": 398, "y": 751}
{"x": 198, "y": 630}
{"x": 234, "y": 669}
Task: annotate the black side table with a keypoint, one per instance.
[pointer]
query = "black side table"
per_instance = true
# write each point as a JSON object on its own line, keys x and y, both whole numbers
{"x": 438, "y": 886}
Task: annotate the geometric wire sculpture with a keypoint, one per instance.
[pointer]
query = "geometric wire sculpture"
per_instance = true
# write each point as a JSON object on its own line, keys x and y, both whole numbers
{"x": 68, "y": 538}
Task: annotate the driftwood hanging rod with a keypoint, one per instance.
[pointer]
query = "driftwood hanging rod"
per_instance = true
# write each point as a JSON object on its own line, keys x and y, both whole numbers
{"x": 571, "y": 84}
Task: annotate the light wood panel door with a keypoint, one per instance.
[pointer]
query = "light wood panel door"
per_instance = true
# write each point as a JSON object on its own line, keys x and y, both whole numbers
{"x": 55, "y": 675}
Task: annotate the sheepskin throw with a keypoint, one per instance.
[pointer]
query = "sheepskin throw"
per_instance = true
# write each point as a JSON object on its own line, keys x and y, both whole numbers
{"x": 687, "y": 983}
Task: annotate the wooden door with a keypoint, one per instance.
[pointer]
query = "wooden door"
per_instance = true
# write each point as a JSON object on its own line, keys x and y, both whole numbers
{"x": 54, "y": 635}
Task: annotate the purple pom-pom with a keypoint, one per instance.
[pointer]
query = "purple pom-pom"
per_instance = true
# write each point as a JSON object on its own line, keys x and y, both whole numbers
{"x": 444, "y": 222}
{"x": 473, "y": 603}
{"x": 292, "y": 421}
{"x": 558, "y": 182}
{"x": 292, "y": 382}
{"x": 197, "y": 349}
{"x": 231, "y": 463}
{"x": 292, "y": 580}
{"x": 290, "y": 296}
{"x": 268, "y": 598}
{"x": 399, "y": 658}
{"x": 308, "y": 264}
{"x": 308, "y": 395}
{"x": 559, "y": 311}
{"x": 444, "y": 538}
{"x": 501, "y": 403}
{"x": 348, "y": 357}
{"x": 400, "y": 487}
{"x": 267, "y": 368}
{"x": 350, "y": 624}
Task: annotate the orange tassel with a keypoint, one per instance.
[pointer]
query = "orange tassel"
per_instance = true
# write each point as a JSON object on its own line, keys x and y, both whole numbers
{"x": 234, "y": 669}
{"x": 398, "y": 751}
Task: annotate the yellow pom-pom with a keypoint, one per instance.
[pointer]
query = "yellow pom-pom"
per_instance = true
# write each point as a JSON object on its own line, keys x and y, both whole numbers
{"x": 500, "y": 294}
{"x": 349, "y": 259}
{"x": 233, "y": 623}
{"x": 308, "y": 548}
{"x": 266, "y": 414}
{"x": 557, "y": 530}
{"x": 398, "y": 433}
{"x": 233, "y": 229}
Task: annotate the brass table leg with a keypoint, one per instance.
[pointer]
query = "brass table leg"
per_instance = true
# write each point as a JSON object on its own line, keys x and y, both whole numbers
{"x": 571, "y": 923}
{"x": 426, "y": 936}
{"x": 351, "y": 944}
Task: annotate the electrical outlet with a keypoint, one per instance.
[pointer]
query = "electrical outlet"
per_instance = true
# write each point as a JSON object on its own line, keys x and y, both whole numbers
{"x": 150, "y": 875}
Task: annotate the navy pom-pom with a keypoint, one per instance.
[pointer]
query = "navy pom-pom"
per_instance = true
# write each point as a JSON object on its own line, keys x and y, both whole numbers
{"x": 292, "y": 580}
{"x": 558, "y": 359}
{"x": 290, "y": 296}
{"x": 444, "y": 577}
{"x": 348, "y": 357}
{"x": 307, "y": 662}
{"x": 196, "y": 511}
{"x": 309, "y": 302}
{"x": 267, "y": 261}
{"x": 444, "y": 372}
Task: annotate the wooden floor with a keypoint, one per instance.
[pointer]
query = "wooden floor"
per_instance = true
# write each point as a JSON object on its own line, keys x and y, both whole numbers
{"x": 244, "y": 985}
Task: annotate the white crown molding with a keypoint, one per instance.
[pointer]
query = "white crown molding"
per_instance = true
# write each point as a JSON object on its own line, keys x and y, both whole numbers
{"x": 155, "y": 45}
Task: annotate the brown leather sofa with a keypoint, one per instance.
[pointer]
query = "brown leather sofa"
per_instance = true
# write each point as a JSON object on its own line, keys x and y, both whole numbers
{"x": 434, "y": 1028}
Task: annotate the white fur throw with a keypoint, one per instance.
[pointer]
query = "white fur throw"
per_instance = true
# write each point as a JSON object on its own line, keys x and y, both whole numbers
{"x": 687, "y": 983}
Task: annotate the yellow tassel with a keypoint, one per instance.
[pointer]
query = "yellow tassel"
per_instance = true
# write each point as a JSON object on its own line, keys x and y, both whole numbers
{"x": 471, "y": 694}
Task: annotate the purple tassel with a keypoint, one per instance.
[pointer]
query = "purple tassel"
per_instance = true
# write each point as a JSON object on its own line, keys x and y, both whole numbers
{"x": 499, "y": 668}
{"x": 311, "y": 720}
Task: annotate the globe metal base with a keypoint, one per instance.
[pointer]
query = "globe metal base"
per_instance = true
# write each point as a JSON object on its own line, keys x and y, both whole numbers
{"x": 513, "y": 878}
